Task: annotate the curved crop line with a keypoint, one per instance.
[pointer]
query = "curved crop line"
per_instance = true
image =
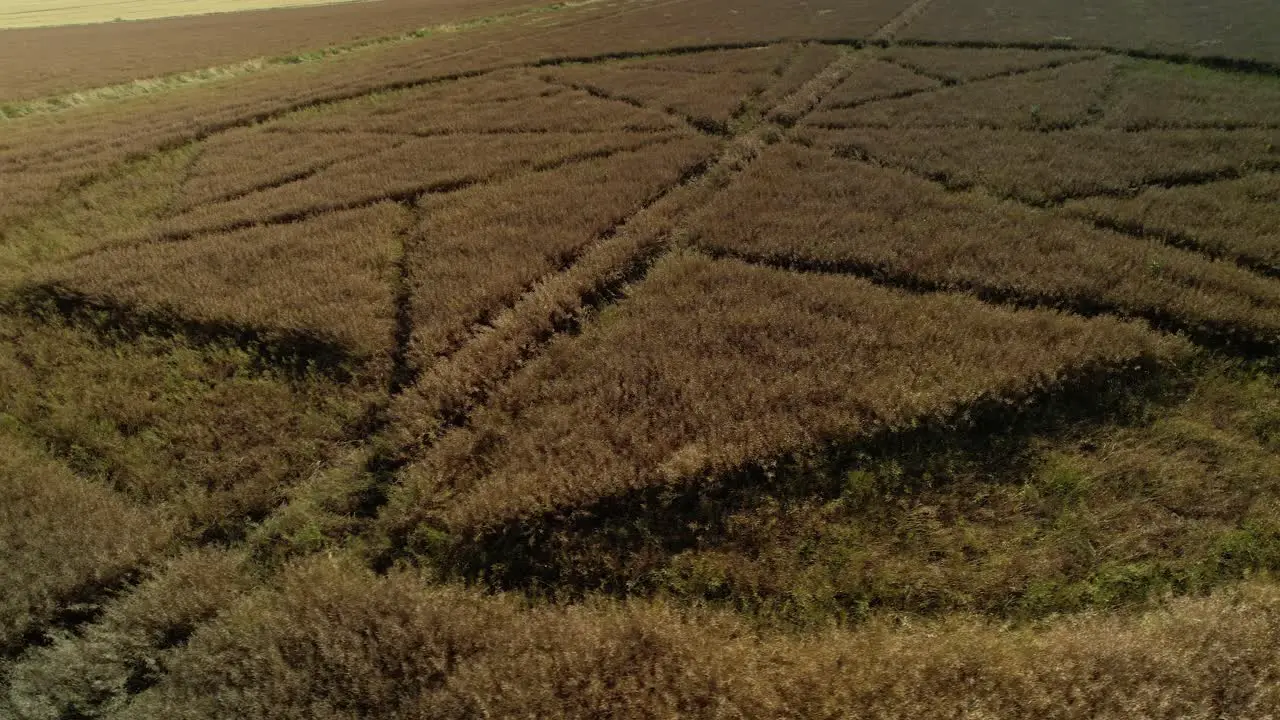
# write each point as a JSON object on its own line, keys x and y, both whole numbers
{"x": 527, "y": 552}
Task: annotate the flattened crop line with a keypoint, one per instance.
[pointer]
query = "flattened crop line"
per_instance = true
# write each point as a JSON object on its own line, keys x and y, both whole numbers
{"x": 702, "y": 125}
{"x": 403, "y": 373}
{"x": 1212, "y": 62}
{"x": 291, "y": 178}
{"x": 530, "y": 553}
{"x": 674, "y": 51}
{"x": 952, "y": 82}
{"x": 1177, "y": 180}
{"x": 1215, "y": 335}
{"x": 567, "y": 319}
{"x": 406, "y": 195}
{"x": 851, "y": 151}
{"x": 295, "y": 353}
{"x": 887, "y": 31}
{"x": 792, "y": 109}
{"x": 187, "y": 174}
{"x": 892, "y": 96}
{"x": 410, "y": 134}
{"x": 1182, "y": 241}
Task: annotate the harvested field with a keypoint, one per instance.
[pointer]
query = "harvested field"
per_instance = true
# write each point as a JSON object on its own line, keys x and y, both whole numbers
{"x": 644, "y": 358}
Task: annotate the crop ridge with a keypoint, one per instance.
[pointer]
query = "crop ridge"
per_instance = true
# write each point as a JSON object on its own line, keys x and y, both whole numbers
{"x": 78, "y": 608}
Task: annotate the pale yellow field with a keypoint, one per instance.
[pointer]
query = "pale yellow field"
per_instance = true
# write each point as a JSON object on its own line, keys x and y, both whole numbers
{"x": 37, "y": 13}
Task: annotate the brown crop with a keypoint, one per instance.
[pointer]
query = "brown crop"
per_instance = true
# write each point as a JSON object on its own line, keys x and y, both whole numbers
{"x": 401, "y": 172}
{"x": 1042, "y": 168}
{"x": 871, "y": 80}
{"x": 644, "y": 358}
{"x": 799, "y": 207}
{"x": 1061, "y": 97}
{"x": 705, "y": 99}
{"x": 61, "y": 536}
{"x": 330, "y": 277}
{"x": 711, "y": 364}
{"x": 1151, "y": 95}
{"x": 968, "y": 64}
{"x": 476, "y": 251}
{"x": 1235, "y": 218}
{"x": 389, "y": 647}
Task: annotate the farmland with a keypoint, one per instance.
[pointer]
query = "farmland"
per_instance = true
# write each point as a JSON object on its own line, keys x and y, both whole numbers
{"x": 647, "y": 358}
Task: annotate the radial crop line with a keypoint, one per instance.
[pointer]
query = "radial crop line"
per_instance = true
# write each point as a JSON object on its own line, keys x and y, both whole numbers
{"x": 900, "y": 21}
{"x": 1192, "y": 178}
{"x": 642, "y": 242}
{"x": 555, "y": 304}
{"x": 411, "y": 193}
{"x": 1210, "y": 334}
{"x": 702, "y": 125}
{"x": 294, "y": 177}
{"x": 188, "y": 173}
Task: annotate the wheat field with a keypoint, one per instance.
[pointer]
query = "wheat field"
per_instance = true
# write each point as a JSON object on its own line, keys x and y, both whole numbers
{"x": 644, "y": 358}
